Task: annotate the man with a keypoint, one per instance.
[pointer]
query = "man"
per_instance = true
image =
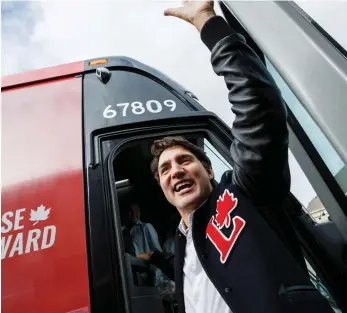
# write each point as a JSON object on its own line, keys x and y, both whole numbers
{"x": 145, "y": 239}
{"x": 144, "y": 236}
{"x": 228, "y": 258}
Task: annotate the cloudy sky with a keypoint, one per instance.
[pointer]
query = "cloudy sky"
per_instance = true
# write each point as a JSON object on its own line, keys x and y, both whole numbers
{"x": 39, "y": 34}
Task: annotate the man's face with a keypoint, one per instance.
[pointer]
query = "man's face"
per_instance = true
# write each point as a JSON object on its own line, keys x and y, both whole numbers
{"x": 183, "y": 179}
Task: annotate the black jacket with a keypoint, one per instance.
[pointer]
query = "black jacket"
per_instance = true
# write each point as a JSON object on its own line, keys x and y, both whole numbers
{"x": 236, "y": 233}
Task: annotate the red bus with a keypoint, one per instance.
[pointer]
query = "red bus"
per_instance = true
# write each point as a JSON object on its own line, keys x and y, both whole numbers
{"x": 75, "y": 146}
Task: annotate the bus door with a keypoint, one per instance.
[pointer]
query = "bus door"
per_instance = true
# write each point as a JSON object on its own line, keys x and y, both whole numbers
{"x": 124, "y": 100}
{"x": 310, "y": 68}
{"x": 118, "y": 174}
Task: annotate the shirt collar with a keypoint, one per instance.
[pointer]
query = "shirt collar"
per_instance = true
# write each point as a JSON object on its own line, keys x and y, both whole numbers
{"x": 182, "y": 227}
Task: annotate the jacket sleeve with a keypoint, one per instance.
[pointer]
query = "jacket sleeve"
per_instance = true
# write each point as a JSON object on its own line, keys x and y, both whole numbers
{"x": 260, "y": 137}
{"x": 165, "y": 262}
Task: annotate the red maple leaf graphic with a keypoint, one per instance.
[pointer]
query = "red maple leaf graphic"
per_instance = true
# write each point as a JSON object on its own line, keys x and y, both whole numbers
{"x": 225, "y": 204}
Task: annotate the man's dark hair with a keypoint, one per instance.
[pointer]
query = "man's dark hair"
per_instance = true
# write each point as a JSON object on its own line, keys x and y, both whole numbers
{"x": 160, "y": 145}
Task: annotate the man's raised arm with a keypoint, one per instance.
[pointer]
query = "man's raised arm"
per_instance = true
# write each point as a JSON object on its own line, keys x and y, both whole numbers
{"x": 260, "y": 146}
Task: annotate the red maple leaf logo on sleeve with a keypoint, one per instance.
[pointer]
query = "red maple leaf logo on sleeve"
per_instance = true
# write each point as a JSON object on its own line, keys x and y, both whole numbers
{"x": 225, "y": 205}
{"x": 223, "y": 243}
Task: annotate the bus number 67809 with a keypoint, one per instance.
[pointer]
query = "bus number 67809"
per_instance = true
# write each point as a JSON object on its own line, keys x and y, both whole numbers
{"x": 137, "y": 107}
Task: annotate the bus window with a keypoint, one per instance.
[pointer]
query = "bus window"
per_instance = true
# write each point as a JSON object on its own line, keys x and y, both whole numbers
{"x": 327, "y": 152}
{"x": 314, "y": 197}
{"x": 305, "y": 193}
{"x": 314, "y": 213}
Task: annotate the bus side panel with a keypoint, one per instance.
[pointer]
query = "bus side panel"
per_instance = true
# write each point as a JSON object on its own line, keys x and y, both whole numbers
{"x": 44, "y": 253}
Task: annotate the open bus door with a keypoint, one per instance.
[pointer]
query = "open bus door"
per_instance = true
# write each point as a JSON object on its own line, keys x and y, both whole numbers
{"x": 310, "y": 68}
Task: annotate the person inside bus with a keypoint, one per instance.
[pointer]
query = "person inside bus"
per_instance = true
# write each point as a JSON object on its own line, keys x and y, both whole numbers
{"x": 233, "y": 249}
{"x": 144, "y": 236}
{"x": 145, "y": 239}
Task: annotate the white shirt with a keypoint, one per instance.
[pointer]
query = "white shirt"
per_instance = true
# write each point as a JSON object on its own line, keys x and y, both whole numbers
{"x": 200, "y": 295}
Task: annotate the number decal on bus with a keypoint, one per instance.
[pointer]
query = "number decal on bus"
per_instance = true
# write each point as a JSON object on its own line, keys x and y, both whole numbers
{"x": 137, "y": 108}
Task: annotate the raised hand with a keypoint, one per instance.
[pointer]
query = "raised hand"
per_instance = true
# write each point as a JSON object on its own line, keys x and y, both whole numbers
{"x": 194, "y": 12}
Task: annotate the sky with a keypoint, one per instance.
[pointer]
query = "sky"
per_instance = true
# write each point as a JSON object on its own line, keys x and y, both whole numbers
{"x": 45, "y": 33}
